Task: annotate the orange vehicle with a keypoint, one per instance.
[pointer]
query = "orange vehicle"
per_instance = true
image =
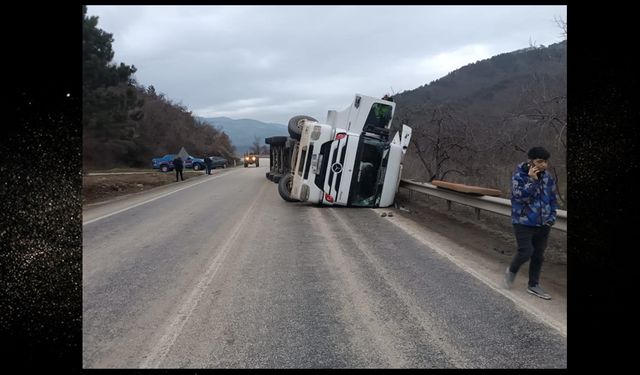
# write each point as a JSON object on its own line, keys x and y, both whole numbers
{"x": 250, "y": 158}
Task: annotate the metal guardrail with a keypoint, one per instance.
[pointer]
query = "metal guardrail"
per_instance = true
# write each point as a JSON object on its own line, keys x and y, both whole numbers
{"x": 499, "y": 206}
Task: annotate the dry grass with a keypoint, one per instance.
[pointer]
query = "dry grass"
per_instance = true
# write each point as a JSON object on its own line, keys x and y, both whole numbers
{"x": 105, "y": 187}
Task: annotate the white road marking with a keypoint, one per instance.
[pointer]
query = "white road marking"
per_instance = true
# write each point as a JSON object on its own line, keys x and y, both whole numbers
{"x": 147, "y": 201}
{"x": 174, "y": 328}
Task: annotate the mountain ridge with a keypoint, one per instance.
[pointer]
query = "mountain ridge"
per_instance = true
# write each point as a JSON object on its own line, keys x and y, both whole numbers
{"x": 243, "y": 132}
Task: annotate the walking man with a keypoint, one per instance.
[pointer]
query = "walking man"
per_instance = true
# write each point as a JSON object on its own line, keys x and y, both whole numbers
{"x": 533, "y": 212}
{"x": 178, "y": 165}
{"x": 207, "y": 163}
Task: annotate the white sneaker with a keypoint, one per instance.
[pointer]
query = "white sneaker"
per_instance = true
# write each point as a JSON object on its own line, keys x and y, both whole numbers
{"x": 537, "y": 291}
{"x": 509, "y": 277}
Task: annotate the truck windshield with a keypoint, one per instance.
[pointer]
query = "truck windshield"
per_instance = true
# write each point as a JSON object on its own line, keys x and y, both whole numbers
{"x": 379, "y": 116}
{"x": 366, "y": 172}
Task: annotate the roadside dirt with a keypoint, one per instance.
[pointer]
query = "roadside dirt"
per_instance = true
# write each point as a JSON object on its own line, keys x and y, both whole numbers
{"x": 104, "y": 187}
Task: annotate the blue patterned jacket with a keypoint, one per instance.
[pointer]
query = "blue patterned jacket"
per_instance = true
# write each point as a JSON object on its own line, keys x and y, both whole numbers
{"x": 533, "y": 203}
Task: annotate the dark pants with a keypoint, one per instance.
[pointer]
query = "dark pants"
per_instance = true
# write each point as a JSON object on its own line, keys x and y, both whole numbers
{"x": 208, "y": 169}
{"x": 179, "y": 171}
{"x": 532, "y": 241}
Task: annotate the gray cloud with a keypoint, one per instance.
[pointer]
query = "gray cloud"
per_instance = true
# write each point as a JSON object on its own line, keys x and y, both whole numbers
{"x": 270, "y": 63}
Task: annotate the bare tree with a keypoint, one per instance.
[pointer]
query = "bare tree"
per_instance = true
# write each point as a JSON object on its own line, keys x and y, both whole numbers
{"x": 437, "y": 142}
{"x": 255, "y": 147}
{"x": 562, "y": 24}
{"x": 542, "y": 116}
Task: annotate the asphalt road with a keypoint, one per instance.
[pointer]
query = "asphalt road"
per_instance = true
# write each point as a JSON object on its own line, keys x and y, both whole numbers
{"x": 224, "y": 273}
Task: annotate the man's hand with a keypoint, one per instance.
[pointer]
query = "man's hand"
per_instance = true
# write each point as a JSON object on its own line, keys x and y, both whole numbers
{"x": 533, "y": 172}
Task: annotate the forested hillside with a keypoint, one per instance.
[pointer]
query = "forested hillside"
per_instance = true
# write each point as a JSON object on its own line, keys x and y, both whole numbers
{"x": 475, "y": 124}
{"x": 125, "y": 124}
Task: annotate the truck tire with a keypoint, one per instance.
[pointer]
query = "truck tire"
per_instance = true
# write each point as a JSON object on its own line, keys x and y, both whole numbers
{"x": 295, "y": 126}
{"x": 164, "y": 168}
{"x": 197, "y": 167}
{"x": 284, "y": 188}
{"x": 277, "y": 141}
{"x": 257, "y": 163}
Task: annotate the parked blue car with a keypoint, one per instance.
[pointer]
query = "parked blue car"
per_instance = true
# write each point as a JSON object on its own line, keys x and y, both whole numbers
{"x": 165, "y": 163}
{"x": 218, "y": 162}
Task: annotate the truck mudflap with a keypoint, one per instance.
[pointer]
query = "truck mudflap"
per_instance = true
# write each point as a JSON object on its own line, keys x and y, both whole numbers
{"x": 403, "y": 138}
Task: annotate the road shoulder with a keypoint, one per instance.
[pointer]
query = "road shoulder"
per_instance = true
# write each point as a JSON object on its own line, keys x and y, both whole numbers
{"x": 484, "y": 248}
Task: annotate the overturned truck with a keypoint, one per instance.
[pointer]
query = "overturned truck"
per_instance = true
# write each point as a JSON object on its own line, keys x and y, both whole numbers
{"x": 351, "y": 160}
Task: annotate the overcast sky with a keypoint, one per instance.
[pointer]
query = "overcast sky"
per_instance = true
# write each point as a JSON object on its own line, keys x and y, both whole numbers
{"x": 270, "y": 63}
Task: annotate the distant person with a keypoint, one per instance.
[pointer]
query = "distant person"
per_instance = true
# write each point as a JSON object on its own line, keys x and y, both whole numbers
{"x": 178, "y": 165}
{"x": 208, "y": 163}
{"x": 533, "y": 212}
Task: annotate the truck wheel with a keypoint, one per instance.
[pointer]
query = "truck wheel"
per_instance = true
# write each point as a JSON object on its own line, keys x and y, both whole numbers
{"x": 295, "y": 125}
{"x": 284, "y": 188}
{"x": 278, "y": 141}
{"x": 196, "y": 167}
{"x": 164, "y": 168}
{"x": 245, "y": 165}
{"x": 257, "y": 163}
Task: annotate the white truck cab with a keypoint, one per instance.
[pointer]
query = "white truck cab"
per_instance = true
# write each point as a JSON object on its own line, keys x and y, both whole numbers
{"x": 350, "y": 160}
